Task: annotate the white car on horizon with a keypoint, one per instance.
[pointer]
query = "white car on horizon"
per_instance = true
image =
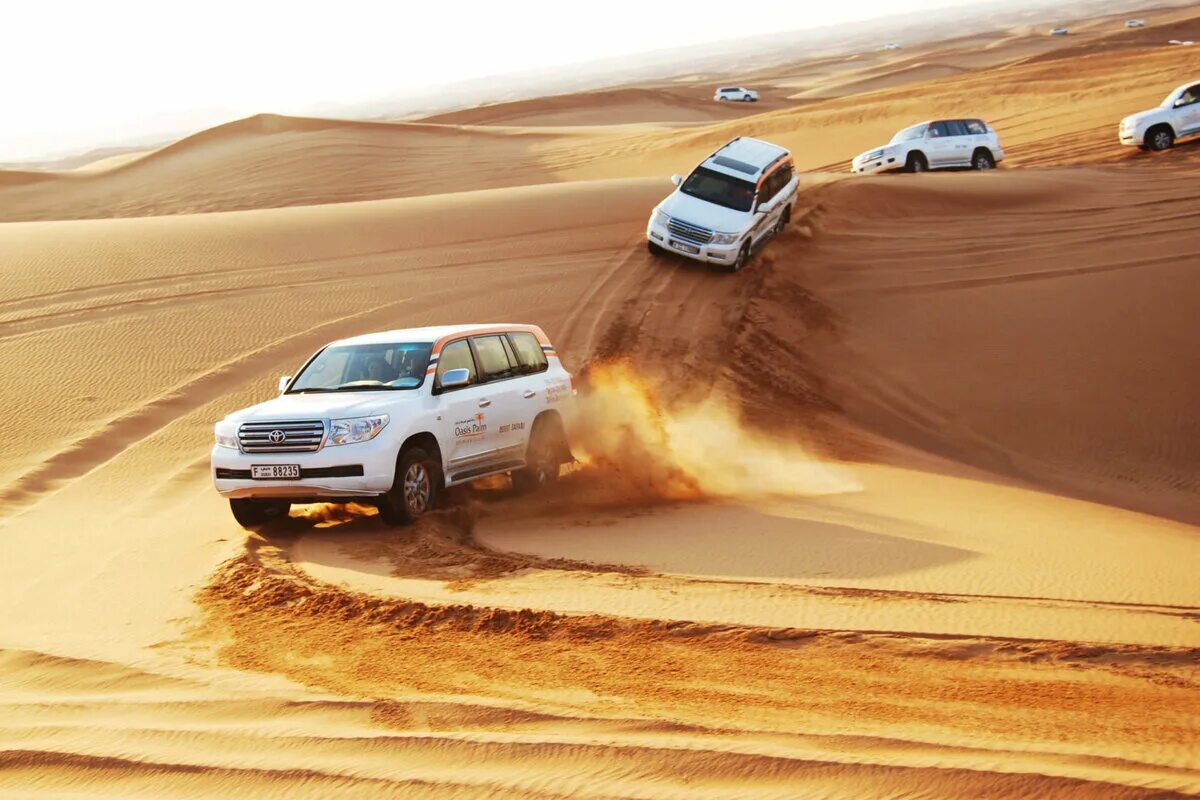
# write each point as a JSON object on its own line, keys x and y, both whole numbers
{"x": 935, "y": 144}
{"x": 1059, "y": 32}
{"x": 1176, "y": 117}
{"x": 394, "y": 418}
{"x": 731, "y": 205}
{"x": 738, "y": 93}
{"x": 1135, "y": 23}
{"x": 891, "y": 46}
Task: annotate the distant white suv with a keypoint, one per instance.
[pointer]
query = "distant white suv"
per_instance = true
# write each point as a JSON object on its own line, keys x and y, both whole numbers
{"x": 736, "y": 93}
{"x": 731, "y": 205}
{"x": 393, "y": 418}
{"x": 1176, "y": 117}
{"x": 1135, "y": 23}
{"x": 937, "y": 144}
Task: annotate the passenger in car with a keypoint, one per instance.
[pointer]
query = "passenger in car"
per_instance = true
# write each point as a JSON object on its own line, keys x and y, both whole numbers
{"x": 379, "y": 370}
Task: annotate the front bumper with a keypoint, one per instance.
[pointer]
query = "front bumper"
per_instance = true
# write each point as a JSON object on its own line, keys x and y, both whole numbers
{"x": 377, "y": 459}
{"x": 708, "y": 253}
{"x": 885, "y": 163}
{"x": 1127, "y": 136}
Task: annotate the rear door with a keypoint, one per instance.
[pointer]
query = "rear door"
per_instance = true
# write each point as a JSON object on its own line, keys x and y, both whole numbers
{"x": 534, "y": 394}
{"x": 502, "y": 414}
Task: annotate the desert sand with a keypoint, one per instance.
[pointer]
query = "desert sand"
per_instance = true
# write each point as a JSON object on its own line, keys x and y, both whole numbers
{"x": 908, "y": 508}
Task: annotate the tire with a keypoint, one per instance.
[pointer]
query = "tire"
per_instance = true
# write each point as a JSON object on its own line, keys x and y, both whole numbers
{"x": 414, "y": 491}
{"x": 654, "y": 249}
{"x": 543, "y": 456}
{"x": 983, "y": 160}
{"x": 743, "y": 257}
{"x": 746, "y": 98}
{"x": 1160, "y": 137}
{"x": 724, "y": 99}
{"x": 251, "y": 512}
{"x": 916, "y": 163}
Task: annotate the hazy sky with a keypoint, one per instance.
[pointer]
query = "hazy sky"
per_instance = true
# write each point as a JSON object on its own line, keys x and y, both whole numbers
{"x": 83, "y": 74}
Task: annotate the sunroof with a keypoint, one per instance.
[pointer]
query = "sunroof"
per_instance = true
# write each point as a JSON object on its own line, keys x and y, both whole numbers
{"x": 733, "y": 163}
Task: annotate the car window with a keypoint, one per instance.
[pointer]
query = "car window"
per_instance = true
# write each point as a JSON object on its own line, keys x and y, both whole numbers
{"x": 976, "y": 126}
{"x": 1191, "y": 95}
{"x": 938, "y": 130}
{"x": 909, "y": 134}
{"x": 717, "y": 187}
{"x": 956, "y": 127}
{"x": 456, "y": 355}
{"x": 365, "y": 367}
{"x": 529, "y": 352}
{"x": 493, "y": 357}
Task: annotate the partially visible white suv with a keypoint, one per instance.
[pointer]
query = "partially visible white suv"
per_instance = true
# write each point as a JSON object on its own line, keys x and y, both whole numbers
{"x": 1176, "y": 117}
{"x": 736, "y": 93}
{"x": 731, "y": 205}
{"x": 1135, "y": 23}
{"x": 937, "y": 144}
{"x": 394, "y": 418}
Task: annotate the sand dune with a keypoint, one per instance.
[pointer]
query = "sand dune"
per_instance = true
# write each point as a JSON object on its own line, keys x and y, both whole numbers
{"x": 907, "y": 508}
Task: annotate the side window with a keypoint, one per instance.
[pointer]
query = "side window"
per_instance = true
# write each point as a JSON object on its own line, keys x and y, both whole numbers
{"x": 456, "y": 355}
{"x": 771, "y": 186}
{"x": 1191, "y": 95}
{"x": 957, "y": 128}
{"x": 529, "y": 353}
{"x": 976, "y": 127}
{"x": 938, "y": 130}
{"x": 785, "y": 175}
{"x": 493, "y": 357}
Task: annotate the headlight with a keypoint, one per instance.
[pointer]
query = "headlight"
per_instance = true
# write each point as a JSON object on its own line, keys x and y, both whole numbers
{"x": 874, "y": 154}
{"x": 358, "y": 429}
{"x": 661, "y": 219}
{"x": 725, "y": 238}
{"x": 225, "y": 436}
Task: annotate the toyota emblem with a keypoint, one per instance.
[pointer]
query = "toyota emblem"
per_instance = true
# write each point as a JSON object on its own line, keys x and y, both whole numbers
{"x": 277, "y": 437}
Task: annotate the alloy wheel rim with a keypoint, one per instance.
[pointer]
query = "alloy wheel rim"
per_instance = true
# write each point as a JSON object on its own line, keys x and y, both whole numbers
{"x": 1161, "y": 140}
{"x": 416, "y": 488}
{"x": 982, "y": 163}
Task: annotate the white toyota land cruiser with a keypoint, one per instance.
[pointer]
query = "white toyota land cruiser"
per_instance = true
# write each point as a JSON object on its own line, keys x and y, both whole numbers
{"x": 738, "y": 93}
{"x": 937, "y": 144}
{"x": 393, "y": 418}
{"x": 1159, "y": 128}
{"x": 731, "y": 205}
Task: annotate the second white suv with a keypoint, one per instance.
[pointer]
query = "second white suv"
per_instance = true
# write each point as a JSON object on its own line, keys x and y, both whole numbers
{"x": 736, "y": 93}
{"x": 1177, "y": 116}
{"x": 732, "y": 204}
{"x": 936, "y": 144}
{"x": 394, "y": 418}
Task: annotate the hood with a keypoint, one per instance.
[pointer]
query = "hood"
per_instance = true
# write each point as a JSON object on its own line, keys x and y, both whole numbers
{"x": 705, "y": 214}
{"x": 1134, "y": 120}
{"x": 331, "y": 405}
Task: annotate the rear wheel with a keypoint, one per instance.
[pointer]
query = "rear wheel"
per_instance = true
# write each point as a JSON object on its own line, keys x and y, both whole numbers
{"x": 916, "y": 163}
{"x": 543, "y": 456}
{"x": 1160, "y": 138}
{"x": 982, "y": 160}
{"x": 250, "y": 512}
{"x": 414, "y": 490}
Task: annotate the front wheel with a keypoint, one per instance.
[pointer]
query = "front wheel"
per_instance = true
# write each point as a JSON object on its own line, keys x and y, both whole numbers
{"x": 916, "y": 163}
{"x": 414, "y": 490}
{"x": 543, "y": 456}
{"x": 742, "y": 257}
{"x": 1160, "y": 138}
{"x": 252, "y": 512}
{"x": 746, "y": 98}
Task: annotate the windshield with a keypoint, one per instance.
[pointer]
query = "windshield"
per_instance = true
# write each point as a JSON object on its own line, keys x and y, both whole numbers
{"x": 364, "y": 368}
{"x": 908, "y": 134}
{"x": 716, "y": 187}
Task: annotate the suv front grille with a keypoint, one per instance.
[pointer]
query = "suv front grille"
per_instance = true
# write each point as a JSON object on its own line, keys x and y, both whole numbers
{"x": 291, "y": 436}
{"x": 689, "y": 232}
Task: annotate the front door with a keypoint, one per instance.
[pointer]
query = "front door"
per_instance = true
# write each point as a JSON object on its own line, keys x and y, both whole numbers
{"x": 466, "y": 435}
{"x": 940, "y": 145}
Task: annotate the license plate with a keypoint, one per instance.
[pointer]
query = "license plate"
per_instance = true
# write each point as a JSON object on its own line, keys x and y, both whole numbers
{"x": 274, "y": 472}
{"x": 687, "y": 248}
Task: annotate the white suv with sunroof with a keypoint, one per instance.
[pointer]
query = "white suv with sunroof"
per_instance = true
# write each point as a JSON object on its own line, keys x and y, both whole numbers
{"x": 936, "y": 144}
{"x": 732, "y": 204}
{"x": 393, "y": 418}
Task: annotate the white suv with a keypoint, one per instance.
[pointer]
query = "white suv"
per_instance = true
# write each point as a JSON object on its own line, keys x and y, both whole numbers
{"x": 393, "y": 418}
{"x": 736, "y": 93}
{"x": 1158, "y": 129}
{"x": 937, "y": 144}
{"x": 731, "y": 205}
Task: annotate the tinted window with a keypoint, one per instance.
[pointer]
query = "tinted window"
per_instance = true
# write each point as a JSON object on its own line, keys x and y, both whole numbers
{"x": 493, "y": 357}
{"x": 771, "y": 187}
{"x": 1191, "y": 95}
{"x": 976, "y": 126}
{"x": 957, "y": 128}
{"x": 938, "y": 130}
{"x": 529, "y": 352}
{"x": 456, "y": 355}
{"x": 716, "y": 187}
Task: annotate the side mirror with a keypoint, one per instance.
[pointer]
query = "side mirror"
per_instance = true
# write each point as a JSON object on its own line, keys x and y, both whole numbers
{"x": 453, "y": 378}
{"x": 765, "y": 208}
{"x": 283, "y": 382}
{"x": 677, "y": 179}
